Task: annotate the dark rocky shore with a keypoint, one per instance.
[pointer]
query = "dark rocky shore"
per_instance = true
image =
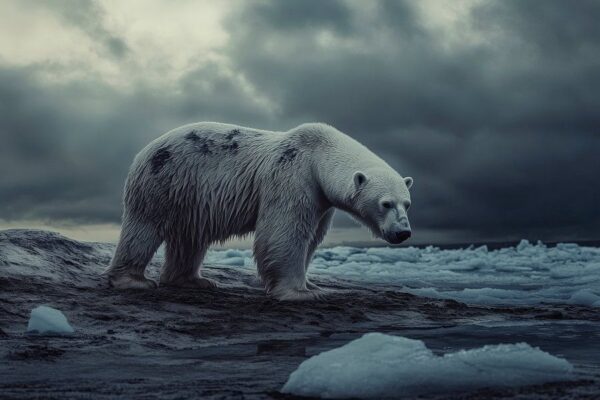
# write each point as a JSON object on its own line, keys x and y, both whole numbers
{"x": 232, "y": 342}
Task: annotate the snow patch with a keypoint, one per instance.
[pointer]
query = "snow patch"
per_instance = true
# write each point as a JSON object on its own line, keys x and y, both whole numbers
{"x": 383, "y": 366}
{"x": 45, "y": 319}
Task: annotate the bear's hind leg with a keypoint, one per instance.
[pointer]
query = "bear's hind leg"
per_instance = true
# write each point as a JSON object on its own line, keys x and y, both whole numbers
{"x": 184, "y": 256}
{"x": 137, "y": 244}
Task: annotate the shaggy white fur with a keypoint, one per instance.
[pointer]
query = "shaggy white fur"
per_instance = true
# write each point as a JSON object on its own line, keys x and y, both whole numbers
{"x": 205, "y": 182}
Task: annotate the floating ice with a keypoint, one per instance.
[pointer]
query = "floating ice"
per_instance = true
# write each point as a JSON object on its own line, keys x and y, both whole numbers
{"x": 380, "y": 366}
{"x": 233, "y": 261}
{"x": 48, "y": 320}
{"x": 585, "y": 297}
{"x": 521, "y": 275}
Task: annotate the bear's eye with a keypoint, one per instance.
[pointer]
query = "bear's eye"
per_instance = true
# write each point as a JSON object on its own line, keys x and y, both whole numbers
{"x": 406, "y": 206}
{"x": 386, "y": 204}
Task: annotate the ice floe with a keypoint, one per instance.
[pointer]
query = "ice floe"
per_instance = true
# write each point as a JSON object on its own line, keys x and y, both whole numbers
{"x": 383, "y": 366}
{"x": 45, "y": 319}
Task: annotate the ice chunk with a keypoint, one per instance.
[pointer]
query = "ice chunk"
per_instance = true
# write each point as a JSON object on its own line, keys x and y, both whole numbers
{"x": 380, "y": 366}
{"x": 585, "y": 297}
{"x": 230, "y": 253}
{"x": 48, "y": 320}
{"x": 233, "y": 261}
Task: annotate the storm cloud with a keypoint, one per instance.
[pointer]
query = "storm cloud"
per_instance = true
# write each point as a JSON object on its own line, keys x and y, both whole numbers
{"x": 491, "y": 106}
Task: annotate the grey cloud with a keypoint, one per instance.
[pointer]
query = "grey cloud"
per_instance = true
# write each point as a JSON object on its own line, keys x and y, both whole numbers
{"x": 401, "y": 17}
{"x": 383, "y": 82}
{"x": 300, "y": 15}
{"x": 372, "y": 85}
{"x": 63, "y": 160}
{"x": 88, "y": 16}
{"x": 552, "y": 26}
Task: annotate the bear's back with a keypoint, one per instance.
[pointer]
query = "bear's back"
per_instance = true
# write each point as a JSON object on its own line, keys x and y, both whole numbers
{"x": 220, "y": 170}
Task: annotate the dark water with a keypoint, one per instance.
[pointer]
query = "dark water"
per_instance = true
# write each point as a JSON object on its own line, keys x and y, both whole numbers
{"x": 234, "y": 342}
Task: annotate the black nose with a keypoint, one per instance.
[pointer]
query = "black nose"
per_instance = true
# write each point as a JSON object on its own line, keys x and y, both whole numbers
{"x": 402, "y": 235}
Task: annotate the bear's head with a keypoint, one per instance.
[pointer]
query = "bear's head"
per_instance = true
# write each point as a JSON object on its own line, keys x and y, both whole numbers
{"x": 380, "y": 200}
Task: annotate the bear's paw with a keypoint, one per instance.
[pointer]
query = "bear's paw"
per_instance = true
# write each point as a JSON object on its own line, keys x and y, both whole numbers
{"x": 128, "y": 281}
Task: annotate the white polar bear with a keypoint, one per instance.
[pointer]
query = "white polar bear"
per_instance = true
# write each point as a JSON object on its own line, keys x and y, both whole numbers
{"x": 203, "y": 183}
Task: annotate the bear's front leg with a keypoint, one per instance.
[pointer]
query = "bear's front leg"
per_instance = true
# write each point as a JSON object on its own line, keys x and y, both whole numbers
{"x": 280, "y": 254}
{"x": 317, "y": 238}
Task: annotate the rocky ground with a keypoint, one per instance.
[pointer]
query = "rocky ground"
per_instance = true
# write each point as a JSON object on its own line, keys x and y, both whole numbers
{"x": 232, "y": 342}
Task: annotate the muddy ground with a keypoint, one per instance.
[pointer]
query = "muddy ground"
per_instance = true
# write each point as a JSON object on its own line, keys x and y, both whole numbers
{"x": 232, "y": 342}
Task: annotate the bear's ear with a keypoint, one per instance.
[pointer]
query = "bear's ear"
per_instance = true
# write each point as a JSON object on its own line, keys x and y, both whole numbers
{"x": 409, "y": 181}
{"x": 359, "y": 179}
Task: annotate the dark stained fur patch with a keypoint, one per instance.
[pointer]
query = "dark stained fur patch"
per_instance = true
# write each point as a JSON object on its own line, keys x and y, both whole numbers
{"x": 288, "y": 155}
{"x": 202, "y": 144}
{"x": 233, "y": 133}
{"x": 191, "y": 136}
{"x": 231, "y": 147}
{"x": 159, "y": 159}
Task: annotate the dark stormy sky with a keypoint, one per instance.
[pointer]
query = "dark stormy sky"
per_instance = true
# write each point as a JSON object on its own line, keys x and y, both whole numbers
{"x": 492, "y": 106}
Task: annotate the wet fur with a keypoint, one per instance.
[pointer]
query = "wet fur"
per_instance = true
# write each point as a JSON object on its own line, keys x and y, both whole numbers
{"x": 206, "y": 182}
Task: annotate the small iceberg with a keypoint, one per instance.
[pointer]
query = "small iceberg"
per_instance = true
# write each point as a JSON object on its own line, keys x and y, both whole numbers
{"x": 384, "y": 366}
{"x": 45, "y": 319}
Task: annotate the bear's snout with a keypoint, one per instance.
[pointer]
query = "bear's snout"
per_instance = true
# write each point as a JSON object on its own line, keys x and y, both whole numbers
{"x": 402, "y": 236}
{"x": 399, "y": 232}
{"x": 399, "y": 236}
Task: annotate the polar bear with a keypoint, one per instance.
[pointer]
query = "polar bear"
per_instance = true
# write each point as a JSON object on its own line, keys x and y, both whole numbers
{"x": 206, "y": 182}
